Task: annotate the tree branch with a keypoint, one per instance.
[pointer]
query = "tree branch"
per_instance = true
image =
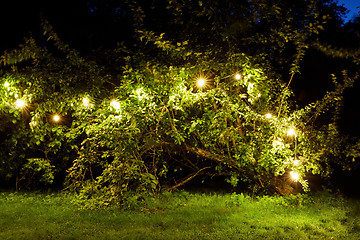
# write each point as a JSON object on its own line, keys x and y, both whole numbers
{"x": 187, "y": 179}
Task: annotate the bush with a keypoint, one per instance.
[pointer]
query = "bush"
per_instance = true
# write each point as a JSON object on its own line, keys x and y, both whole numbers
{"x": 118, "y": 135}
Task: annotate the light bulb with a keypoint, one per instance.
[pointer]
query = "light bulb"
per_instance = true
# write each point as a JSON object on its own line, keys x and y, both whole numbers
{"x": 201, "y": 82}
{"x": 56, "y": 118}
{"x": 115, "y": 104}
{"x": 296, "y": 162}
{"x": 85, "y": 101}
{"x": 291, "y": 132}
{"x": 268, "y": 115}
{"x": 294, "y": 175}
{"x": 237, "y": 76}
{"x": 20, "y": 103}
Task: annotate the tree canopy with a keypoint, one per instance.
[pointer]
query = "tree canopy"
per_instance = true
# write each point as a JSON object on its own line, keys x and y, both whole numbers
{"x": 157, "y": 93}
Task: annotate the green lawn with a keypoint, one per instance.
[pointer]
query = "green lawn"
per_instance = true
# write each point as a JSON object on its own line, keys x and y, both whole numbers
{"x": 182, "y": 216}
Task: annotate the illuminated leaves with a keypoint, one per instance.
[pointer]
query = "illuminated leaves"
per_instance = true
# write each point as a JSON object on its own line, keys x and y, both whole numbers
{"x": 157, "y": 114}
{"x": 125, "y": 128}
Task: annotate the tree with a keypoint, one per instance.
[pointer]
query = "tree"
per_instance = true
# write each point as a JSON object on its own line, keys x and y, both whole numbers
{"x": 175, "y": 103}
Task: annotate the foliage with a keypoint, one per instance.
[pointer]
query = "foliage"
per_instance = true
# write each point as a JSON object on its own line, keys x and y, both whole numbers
{"x": 141, "y": 124}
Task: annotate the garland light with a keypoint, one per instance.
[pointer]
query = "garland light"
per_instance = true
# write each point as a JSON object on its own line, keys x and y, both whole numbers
{"x": 20, "y": 103}
{"x": 56, "y": 118}
{"x": 291, "y": 132}
{"x": 268, "y": 115}
{"x": 85, "y": 102}
{"x": 294, "y": 175}
{"x": 201, "y": 82}
{"x": 115, "y": 104}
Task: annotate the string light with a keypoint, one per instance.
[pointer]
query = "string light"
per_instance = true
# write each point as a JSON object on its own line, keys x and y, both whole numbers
{"x": 85, "y": 102}
{"x": 56, "y": 118}
{"x": 294, "y": 175}
{"x": 115, "y": 104}
{"x": 268, "y": 115}
{"x": 20, "y": 103}
{"x": 201, "y": 82}
{"x": 291, "y": 132}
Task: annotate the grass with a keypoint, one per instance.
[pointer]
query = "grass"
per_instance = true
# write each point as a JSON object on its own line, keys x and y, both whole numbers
{"x": 182, "y": 216}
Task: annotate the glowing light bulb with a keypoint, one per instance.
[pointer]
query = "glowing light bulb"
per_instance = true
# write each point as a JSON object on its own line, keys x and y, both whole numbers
{"x": 6, "y": 85}
{"x": 237, "y": 76}
{"x": 291, "y": 132}
{"x": 268, "y": 115}
{"x": 296, "y": 162}
{"x": 294, "y": 175}
{"x": 201, "y": 82}
{"x": 56, "y": 118}
{"x": 115, "y": 104}
{"x": 85, "y": 101}
{"x": 20, "y": 103}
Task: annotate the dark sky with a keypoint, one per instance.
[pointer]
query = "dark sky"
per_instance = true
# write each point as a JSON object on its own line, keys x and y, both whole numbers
{"x": 18, "y": 17}
{"x": 351, "y": 5}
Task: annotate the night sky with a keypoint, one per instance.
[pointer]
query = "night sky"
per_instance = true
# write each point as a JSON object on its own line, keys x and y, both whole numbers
{"x": 351, "y": 5}
{"x": 18, "y": 18}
